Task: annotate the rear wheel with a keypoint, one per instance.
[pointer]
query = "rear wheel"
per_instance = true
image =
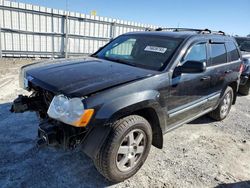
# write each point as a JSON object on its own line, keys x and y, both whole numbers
{"x": 224, "y": 107}
{"x": 244, "y": 89}
{"x": 126, "y": 149}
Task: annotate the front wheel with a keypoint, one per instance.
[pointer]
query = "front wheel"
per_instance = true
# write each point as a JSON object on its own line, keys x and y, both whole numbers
{"x": 224, "y": 107}
{"x": 126, "y": 149}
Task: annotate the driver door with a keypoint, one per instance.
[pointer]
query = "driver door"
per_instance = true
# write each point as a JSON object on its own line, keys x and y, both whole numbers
{"x": 188, "y": 91}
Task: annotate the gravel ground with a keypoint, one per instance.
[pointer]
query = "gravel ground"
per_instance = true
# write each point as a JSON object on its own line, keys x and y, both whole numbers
{"x": 203, "y": 153}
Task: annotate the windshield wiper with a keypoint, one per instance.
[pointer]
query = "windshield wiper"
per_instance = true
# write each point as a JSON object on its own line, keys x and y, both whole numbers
{"x": 119, "y": 61}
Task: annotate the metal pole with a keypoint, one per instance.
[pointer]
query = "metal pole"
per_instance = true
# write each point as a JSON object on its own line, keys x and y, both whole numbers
{"x": 53, "y": 36}
{"x": 67, "y": 5}
{"x": 66, "y": 37}
{"x": 66, "y": 31}
{"x": 0, "y": 44}
{"x": 112, "y": 30}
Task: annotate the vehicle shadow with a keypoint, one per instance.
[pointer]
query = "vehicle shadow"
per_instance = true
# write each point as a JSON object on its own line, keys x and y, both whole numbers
{"x": 22, "y": 164}
{"x": 206, "y": 119}
{"x": 240, "y": 95}
{"x": 202, "y": 120}
{"x": 242, "y": 184}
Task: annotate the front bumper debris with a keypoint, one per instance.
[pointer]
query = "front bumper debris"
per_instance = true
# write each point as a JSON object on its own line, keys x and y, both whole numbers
{"x": 50, "y": 132}
{"x": 47, "y": 135}
{"x": 25, "y": 103}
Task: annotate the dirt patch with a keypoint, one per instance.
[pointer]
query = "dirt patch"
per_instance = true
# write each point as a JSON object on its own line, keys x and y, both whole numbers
{"x": 203, "y": 153}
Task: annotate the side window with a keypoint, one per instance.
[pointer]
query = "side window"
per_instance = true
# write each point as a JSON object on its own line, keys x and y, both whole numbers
{"x": 232, "y": 51}
{"x": 218, "y": 54}
{"x": 196, "y": 53}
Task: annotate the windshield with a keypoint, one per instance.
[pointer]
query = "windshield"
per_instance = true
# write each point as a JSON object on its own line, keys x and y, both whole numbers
{"x": 244, "y": 44}
{"x": 150, "y": 52}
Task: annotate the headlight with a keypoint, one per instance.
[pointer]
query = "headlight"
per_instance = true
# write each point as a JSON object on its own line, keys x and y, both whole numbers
{"x": 69, "y": 111}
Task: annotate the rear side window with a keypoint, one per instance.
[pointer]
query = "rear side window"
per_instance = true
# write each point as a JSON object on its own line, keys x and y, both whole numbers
{"x": 232, "y": 51}
{"x": 218, "y": 53}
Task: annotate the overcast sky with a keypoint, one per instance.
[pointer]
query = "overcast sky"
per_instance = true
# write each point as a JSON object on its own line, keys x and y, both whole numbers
{"x": 231, "y": 16}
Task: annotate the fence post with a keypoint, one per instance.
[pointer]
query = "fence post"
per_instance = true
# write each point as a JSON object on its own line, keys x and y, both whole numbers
{"x": 53, "y": 36}
{"x": 112, "y": 30}
{"x": 66, "y": 36}
{"x": 1, "y": 55}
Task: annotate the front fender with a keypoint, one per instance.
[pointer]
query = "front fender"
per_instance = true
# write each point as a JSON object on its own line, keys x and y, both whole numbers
{"x": 125, "y": 105}
{"x": 115, "y": 109}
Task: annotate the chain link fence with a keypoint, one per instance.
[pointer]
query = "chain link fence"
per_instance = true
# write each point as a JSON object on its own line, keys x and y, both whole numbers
{"x": 35, "y": 31}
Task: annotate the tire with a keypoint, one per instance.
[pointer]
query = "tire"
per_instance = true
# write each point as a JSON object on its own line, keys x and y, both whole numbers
{"x": 224, "y": 107}
{"x": 120, "y": 157}
{"x": 244, "y": 89}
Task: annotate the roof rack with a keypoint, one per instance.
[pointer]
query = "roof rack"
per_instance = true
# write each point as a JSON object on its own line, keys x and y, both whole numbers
{"x": 199, "y": 31}
{"x": 220, "y": 32}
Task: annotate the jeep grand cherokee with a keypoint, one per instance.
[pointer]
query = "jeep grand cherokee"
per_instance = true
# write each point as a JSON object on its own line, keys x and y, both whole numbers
{"x": 125, "y": 97}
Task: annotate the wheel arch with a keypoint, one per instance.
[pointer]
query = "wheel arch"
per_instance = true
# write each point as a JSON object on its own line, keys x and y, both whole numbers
{"x": 234, "y": 85}
{"x": 149, "y": 108}
{"x": 153, "y": 116}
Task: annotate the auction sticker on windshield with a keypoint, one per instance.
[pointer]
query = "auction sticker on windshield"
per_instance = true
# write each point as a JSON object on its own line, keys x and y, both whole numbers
{"x": 155, "y": 49}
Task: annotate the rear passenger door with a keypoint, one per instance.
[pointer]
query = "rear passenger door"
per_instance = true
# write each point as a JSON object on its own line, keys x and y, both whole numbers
{"x": 222, "y": 67}
{"x": 218, "y": 60}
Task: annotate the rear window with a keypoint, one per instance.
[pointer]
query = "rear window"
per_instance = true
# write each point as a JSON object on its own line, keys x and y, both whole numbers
{"x": 218, "y": 53}
{"x": 232, "y": 51}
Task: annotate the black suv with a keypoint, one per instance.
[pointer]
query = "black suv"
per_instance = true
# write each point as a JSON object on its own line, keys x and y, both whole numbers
{"x": 131, "y": 92}
{"x": 244, "y": 45}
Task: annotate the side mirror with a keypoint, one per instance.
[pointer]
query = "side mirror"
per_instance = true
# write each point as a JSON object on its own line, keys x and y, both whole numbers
{"x": 192, "y": 67}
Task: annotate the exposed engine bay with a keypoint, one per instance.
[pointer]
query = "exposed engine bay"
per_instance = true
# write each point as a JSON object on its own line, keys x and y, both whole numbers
{"x": 50, "y": 132}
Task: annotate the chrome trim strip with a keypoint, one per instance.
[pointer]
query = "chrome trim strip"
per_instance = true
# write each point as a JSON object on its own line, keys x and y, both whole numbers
{"x": 223, "y": 64}
{"x": 177, "y": 112}
{"x": 214, "y": 97}
{"x": 187, "y": 108}
{"x": 189, "y": 120}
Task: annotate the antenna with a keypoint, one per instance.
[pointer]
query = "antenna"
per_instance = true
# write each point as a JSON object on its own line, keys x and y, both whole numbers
{"x": 67, "y": 5}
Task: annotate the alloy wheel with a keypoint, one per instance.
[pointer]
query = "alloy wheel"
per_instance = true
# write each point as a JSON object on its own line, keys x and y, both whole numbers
{"x": 130, "y": 150}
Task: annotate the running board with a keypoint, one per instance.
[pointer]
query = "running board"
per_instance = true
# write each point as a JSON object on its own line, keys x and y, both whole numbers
{"x": 190, "y": 119}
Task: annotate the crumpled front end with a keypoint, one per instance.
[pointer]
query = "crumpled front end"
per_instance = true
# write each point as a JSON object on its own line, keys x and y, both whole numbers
{"x": 51, "y": 132}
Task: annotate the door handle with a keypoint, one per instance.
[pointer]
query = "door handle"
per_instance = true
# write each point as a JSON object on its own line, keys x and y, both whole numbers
{"x": 204, "y": 78}
{"x": 228, "y": 71}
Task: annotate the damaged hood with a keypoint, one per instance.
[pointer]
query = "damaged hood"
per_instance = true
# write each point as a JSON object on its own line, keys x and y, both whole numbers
{"x": 80, "y": 77}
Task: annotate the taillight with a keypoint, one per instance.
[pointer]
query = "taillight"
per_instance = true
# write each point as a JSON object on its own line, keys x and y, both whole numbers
{"x": 241, "y": 68}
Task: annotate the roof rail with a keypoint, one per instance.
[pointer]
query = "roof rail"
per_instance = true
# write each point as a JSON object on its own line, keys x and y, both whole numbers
{"x": 199, "y": 31}
{"x": 219, "y": 32}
